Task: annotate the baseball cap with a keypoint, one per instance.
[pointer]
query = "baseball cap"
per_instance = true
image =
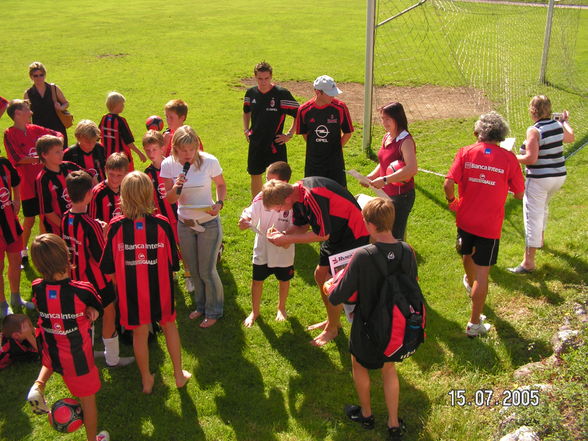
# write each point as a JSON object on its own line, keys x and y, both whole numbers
{"x": 327, "y": 85}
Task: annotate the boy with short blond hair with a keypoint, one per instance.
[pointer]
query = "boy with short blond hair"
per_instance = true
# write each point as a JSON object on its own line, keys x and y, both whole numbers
{"x": 105, "y": 203}
{"x": 268, "y": 258}
{"x": 88, "y": 153}
{"x": 19, "y": 142}
{"x": 51, "y": 189}
{"x": 116, "y": 134}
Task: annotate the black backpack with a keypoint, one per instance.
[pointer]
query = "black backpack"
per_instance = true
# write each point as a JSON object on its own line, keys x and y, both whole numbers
{"x": 396, "y": 324}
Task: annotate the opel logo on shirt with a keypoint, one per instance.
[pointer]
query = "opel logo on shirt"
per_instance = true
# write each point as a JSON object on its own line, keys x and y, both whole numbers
{"x": 322, "y": 131}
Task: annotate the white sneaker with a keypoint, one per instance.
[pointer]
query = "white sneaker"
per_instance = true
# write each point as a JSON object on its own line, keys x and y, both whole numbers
{"x": 189, "y": 284}
{"x": 478, "y": 329}
{"x": 36, "y": 399}
{"x": 467, "y": 285}
{"x": 103, "y": 436}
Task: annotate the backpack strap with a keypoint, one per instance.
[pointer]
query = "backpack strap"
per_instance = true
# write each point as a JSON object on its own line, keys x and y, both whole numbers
{"x": 407, "y": 263}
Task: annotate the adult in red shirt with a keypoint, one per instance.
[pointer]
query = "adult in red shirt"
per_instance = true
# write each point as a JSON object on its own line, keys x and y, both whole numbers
{"x": 484, "y": 173}
{"x": 395, "y": 179}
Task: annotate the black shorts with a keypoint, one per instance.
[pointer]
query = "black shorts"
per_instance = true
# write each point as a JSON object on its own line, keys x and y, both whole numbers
{"x": 107, "y": 294}
{"x": 262, "y": 272}
{"x": 260, "y": 157}
{"x": 30, "y": 207}
{"x": 484, "y": 251}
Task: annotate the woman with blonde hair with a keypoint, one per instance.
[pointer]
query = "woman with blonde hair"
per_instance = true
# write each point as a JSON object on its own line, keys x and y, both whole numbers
{"x": 141, "y": 253}
{"x": 188, "y": 174}
{"x": 542, "y": 154}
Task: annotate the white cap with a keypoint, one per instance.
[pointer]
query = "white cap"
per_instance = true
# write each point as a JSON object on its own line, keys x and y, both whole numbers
{"x": 327, "y": 85}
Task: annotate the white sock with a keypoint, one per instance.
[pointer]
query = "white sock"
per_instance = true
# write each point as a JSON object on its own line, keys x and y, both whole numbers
{"x": 111, "y": 350}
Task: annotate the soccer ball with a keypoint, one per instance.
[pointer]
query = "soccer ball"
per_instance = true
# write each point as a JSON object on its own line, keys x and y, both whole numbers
{"x": 395, "y": 166}
{"x": 154, "y": 122}
{"x": 66, "y": 415}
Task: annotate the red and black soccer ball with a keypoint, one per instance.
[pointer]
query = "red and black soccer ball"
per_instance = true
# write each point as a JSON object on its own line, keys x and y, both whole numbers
{"x": 154, "y": 122}
{"x": 66, "y": 415}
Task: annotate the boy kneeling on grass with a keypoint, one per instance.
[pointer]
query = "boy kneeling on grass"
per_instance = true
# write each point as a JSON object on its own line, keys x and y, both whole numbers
{"x": 66, "y": 312}
{"x": 359, "y": 284}
{"x": 268, "y": 258}
{"x": 18, "y": 341}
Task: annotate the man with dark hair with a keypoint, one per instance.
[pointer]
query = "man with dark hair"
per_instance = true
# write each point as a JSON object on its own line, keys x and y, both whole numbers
{"x": 265, "y": 107}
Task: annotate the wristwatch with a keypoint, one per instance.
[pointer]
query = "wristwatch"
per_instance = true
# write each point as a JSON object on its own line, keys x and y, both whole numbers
{"x": 385, "y": 178}
{"x": 222, "y": 204}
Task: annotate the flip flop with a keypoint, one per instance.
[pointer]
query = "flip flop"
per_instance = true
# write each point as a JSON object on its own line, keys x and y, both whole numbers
{"x": 520, "y": 270}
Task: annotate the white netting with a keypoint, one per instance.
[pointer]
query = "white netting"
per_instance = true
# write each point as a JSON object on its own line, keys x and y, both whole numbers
{"x": 456, "y": 59}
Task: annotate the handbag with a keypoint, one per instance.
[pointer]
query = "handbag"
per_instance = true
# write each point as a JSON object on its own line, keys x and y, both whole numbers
{"x": 64, "y": 116}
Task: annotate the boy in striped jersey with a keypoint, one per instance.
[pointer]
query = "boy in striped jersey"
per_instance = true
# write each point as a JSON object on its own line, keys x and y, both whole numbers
{"x": 88, "y": 153}
{"x": 85, "y": 240}
{"x": 105, "y": 196}
{"x": 66, "y": 312}
{"x": 116, "y": 134}
{"x": 10, "y": 237}
{"x": 51, "y": 190}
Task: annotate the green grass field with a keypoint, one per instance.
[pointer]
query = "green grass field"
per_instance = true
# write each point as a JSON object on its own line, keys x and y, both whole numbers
{"x": 267, "y": 383}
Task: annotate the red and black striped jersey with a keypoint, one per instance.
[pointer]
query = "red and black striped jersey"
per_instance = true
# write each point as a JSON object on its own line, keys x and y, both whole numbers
{"x": 12, "y": 350}
{"x": 65, "y": 328}
{"x": 3, "y": 103}
{"x": 162, "y": 206}
{"x": 85, "y": 241}
{"x": 10, "y": 227}
{"x": 93, "y": 162}
{"x": 168, "y": 135}
{"x": 116, "y": 136}
{"x": 20, "y": 144}
{"x": 142, "y": 254}
{"x": 105, "y": 203}
{"x": 52, "y": 193}
{"x": 331, "y": 210}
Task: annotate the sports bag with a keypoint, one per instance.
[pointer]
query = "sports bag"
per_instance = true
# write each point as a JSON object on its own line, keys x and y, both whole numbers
{"x": 396, "y": 324}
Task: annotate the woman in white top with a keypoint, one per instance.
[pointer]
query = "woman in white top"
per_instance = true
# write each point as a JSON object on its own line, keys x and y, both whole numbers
{"x": 199, "y": 227}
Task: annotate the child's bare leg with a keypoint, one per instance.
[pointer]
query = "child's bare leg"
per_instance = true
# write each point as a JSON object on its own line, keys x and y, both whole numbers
{"x": 36, "y": 395}
{"x": 256, "y": 292}
{"x": 284, "y": 288}
{"x": 4, "y": 308}
{"x": 141, "y": 349}
{"x": 172, "y": 340}
{"x": 361, "y": 379}
{"x": 90, "y": 416}
{"x": 14, "y": 260}
{"x": 391, "y": 393}
{"x": 27, "y": 226}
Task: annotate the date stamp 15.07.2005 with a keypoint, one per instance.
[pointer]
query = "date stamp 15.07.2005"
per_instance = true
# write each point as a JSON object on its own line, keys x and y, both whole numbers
{"x": 487, "y": 398}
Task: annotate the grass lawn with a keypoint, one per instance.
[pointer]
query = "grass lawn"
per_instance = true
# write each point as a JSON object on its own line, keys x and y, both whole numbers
{"x": 267, "y": 383}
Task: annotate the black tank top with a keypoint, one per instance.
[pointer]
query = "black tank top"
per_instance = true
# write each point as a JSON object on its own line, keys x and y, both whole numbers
{"x": 44, "y": 110}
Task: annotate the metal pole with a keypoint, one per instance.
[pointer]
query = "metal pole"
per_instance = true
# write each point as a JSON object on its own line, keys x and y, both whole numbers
{"x": 369, "y": 73}
{"x": 546, "y": 40}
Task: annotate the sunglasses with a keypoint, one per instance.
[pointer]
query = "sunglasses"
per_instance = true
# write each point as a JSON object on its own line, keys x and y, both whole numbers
{"x": 38, "y": 75}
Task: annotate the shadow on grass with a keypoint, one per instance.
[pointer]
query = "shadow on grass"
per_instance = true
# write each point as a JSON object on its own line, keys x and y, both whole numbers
{"x": 305, "y": 262}
{"x": 524, "y": 283}
{"x": 243, "y": 403}
{"x": 465, "y": 352}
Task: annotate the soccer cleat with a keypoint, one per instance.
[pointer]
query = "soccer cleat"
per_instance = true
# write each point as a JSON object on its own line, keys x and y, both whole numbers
{"x": 122, "y": 362}
{"x": 395, "y": 433}
{"x": 17, "y": 302}
{"x": 353, "y": 412}
{"x": 103, "y": 436}
{"x": 466, "y": 285}
{"x": 477, "y": 329}
{"x": 36, "y": 399}
{"x": 520, "y": 269}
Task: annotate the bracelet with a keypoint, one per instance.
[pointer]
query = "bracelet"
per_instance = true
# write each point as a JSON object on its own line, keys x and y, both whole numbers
{"x": 222, "y": 204}
{"x": 290, "y": 134}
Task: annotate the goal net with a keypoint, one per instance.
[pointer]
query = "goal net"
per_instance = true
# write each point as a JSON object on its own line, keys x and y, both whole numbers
{"x": 453, "y": 60}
